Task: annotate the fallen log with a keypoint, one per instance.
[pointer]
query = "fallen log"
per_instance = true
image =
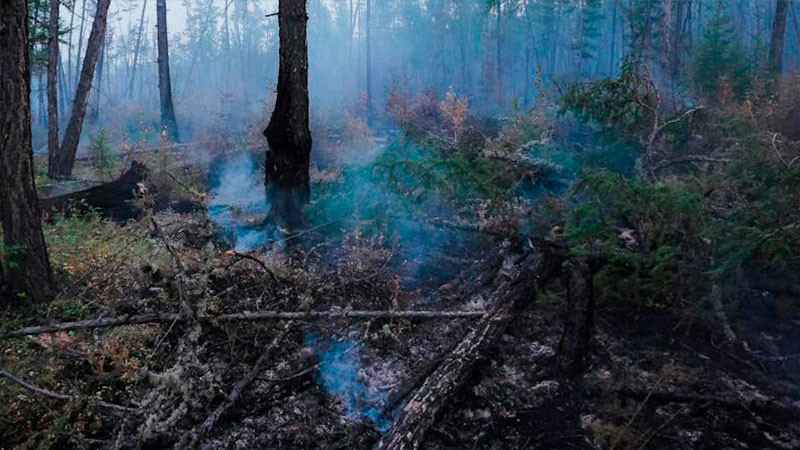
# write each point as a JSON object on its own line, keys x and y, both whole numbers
{"x": 112, "y": 199}
{"x": 139, "y": 319}
{"x": 513, "y": 287}
{"x": 115, "y": 199}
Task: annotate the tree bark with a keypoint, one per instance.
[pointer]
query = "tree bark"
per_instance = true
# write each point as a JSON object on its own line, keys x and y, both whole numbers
{"x": 169, "y": 125}
{"x": 288, "y": 133}
{"x": 52, "y": 83}
{"x": 19, "y": 207}
{"x": 778, "y": 34}
{"x": 65, "y": 158}
{"x": 516, "y": 282}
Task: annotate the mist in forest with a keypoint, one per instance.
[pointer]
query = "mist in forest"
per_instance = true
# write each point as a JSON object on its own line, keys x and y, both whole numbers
{"x": 224, "y": 56}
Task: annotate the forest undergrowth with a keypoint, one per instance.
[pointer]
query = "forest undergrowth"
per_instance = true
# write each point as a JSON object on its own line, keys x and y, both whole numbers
{"x": 689, "y": 216}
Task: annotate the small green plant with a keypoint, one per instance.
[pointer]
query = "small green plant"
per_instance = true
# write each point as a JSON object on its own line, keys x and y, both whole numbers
{"x": 102, "y": 155}
{"x": 655, "y": 231}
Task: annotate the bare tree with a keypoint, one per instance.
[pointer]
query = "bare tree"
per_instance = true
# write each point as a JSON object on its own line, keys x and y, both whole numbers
{"x": 169, "y": 125}
{"x": 61, "y": 166}
{"x": 19, "y": 207}
{"x": 288, "y": 133}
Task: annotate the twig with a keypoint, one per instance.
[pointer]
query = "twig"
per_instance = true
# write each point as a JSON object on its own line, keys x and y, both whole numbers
{"x": 261, "y": 263}
{"x": 56, "y": 395}
{"x": 778, "y": 152}
{"x": 245, "y": 316}
{"x": 191, "y": 439}
{"x": 690, "y": 159}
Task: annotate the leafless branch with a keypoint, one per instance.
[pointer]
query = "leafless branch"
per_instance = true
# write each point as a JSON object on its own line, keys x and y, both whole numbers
{"x": 56, "y": 395}
{"x": 245, "y": 316}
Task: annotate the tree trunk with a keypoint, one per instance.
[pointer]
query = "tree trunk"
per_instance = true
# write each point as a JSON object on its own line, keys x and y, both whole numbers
{"x": 52, "y": 83}
{"x": 19, "y": 207}
{"x": 778, "y": 33}
{"x": 136, "y": 50}
{"x": 499, "y": 55}
{"x": 94, "y": 113}
{"x": 65, "y": 159}
{"x": 511, "y": 289}
{"x": 80, "y": 41}
{"x": 368, "y": 37}
{"x": 169, "y": 125}
{"x": 288, "y": 133}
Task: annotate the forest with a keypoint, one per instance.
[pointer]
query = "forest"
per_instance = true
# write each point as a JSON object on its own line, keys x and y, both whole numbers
{"x": 400, "y": 224}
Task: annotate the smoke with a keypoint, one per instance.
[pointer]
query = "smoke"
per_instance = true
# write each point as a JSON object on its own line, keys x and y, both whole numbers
{"x": 340, "y": 374}
{"x": 238, "y": 202}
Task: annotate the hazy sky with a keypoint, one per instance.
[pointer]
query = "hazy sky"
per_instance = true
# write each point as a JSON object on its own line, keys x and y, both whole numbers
{"x": 128, "y": 12}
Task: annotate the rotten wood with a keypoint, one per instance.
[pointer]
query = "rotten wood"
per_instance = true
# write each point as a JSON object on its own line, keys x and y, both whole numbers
{"x": 512, "y": 288}
{"x": 139, "y": 319}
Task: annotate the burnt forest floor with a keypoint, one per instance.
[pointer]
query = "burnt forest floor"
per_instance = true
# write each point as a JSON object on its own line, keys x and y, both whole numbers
{"x": 656, "y": 378}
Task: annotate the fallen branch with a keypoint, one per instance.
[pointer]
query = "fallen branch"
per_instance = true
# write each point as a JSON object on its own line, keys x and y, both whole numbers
{"x": 473, "y": 228}
{"x": 193, "y": 438}
{"x": 768, "y": 406}
{"x": 512, "y": 289}
{"x": 245, "y": 316}
{"x": 690, "y": 159}
{"x": 56, "y": 395}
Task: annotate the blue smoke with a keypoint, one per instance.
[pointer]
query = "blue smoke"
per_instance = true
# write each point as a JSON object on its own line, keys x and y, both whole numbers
{"x": 238, "y": 202}
{"x": 339, "y": 367}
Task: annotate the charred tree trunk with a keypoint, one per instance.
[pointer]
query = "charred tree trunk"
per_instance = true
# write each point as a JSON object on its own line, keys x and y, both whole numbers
{"x": 579, "y": 317}
{"x": 169, "y": 125}
{"x": 288, "y": 133}
{"x": 113, "y": 199}
{"x": 65, "y": 158}
{"x": 19, "y": 207}
{"x": 778, "y": 33}
{"x": 52, "y": 83}
{"x": 517, "y": 281}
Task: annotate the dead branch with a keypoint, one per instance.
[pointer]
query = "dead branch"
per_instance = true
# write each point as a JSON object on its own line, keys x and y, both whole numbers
{"x": 130, "y": 319}
{"x": 191, "y": 439}
{"x": 769, "y": 406}
{"x": 472, "y": 227}
{"x": 690, "y": 159}
{"x": 516, "y": 282}
{"x": 57, "y": 396}
{"x": 243, "y": 256}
